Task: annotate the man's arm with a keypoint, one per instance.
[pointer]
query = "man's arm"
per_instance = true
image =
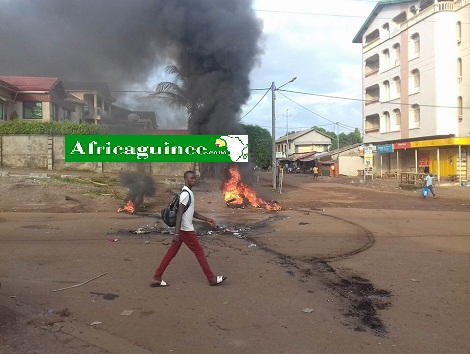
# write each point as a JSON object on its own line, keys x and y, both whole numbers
{"x": 210, "y": 221}
{"x": 179, "y": 217}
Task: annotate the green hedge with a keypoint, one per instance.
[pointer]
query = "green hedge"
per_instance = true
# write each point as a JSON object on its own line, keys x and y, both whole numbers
{"x": 49, "y": 128}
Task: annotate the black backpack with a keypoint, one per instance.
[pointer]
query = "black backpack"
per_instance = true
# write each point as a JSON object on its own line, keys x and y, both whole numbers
{"x": 169, "y": 212}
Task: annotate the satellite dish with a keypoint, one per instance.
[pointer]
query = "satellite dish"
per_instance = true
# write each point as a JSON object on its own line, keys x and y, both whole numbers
{"x": 134, "y": 118}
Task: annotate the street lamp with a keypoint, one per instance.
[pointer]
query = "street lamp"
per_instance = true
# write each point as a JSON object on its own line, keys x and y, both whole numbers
{"x": 273, "y": 147}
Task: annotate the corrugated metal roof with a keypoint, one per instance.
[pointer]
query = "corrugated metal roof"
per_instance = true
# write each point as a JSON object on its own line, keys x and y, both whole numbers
{"x": 30, "y": 83}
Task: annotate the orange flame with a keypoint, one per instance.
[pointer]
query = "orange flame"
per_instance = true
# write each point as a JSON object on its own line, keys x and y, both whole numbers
{"x": 236, "y": 192}
{"x": 129, "y": 207}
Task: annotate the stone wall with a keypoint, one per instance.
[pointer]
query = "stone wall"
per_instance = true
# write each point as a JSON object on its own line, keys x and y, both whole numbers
{"x": 47, "y": 152}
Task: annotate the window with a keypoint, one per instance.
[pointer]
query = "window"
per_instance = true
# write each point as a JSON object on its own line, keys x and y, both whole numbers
{"x": 372, "y": 123}
{"x": 386, "y": 61}
{"x": 400, "y": 18}
{"x": 460, "y": 108}
{"x": 415, "y": 112}
{"x": 2, "y": 111}
{"x": 397, "y": 81}
{"x": 67, "y": 115}
{"x": 396, "y": 47}
{"x": 32, "y": 110}
{"x": 372, "y": 94}
{"x": 459, "y": 32}
{"x": 372, "y": 37}
{"x": 415, "y": 48}
{"x": 397, "y": 114}
{"x": 459, "y": 70}
{"x": 414, "y": 81}
{"x": 387, "y": 126}
{"x": 54, "y": 112}
{"x": 386, "y": 30}
{"x": 386, "y": 91}
{"x": 372, "y": 65}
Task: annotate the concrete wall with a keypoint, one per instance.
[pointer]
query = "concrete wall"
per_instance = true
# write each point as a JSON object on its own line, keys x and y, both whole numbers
{"x": 47, "y": 152}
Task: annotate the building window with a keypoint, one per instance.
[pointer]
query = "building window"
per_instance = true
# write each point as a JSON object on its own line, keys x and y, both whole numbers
{"x": 372, "y": 37}
{"x": 459, "y": 70}
{"x": 397, "y": 114}
{"x": 372, "y": 94}
{"x": 397, "y": 82}
{"x": 460, "y": 108}
{"x": 400, "y": 18}
{"x": 386, "y": 61}
{"x": 386, "y": 91}
{"x": 415, "y": 45}
{"x": 415, "y": 112}
{"x": 372, "y": 65}
{"x": 414, "y": 81}
{"x": 396, "y": 47}
{"x": 459, "y": 32}
{"x": 387, "y": 126}
{"x": 2, "y": 111}
{"x": 372, "y": 123}
{"x": 32, "y": 110}
{"x": 54, "y": 112}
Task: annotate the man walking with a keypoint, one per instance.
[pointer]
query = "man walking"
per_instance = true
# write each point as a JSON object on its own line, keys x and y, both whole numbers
{"x": 430, "y": 184}
{"x": 184, "y": 233}
{"x": 315, "y": 173}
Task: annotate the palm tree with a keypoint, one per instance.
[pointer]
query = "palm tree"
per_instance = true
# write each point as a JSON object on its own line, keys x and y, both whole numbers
{"x": 178, "y": 93}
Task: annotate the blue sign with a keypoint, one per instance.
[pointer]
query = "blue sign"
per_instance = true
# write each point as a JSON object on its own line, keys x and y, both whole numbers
{"x": 383, "y": 149}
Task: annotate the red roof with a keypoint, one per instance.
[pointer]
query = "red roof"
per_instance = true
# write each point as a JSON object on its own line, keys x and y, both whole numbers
{"x": 28, "y": 83}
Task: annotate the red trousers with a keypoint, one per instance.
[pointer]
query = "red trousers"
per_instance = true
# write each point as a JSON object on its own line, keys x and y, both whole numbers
{"x": 190, "y": 239}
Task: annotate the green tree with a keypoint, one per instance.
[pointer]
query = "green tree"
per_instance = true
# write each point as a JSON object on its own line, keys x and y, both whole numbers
{"x": 260, "y": 145}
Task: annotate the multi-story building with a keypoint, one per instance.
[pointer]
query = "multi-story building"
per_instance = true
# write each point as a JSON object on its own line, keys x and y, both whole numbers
{"x": 416, "y": 85}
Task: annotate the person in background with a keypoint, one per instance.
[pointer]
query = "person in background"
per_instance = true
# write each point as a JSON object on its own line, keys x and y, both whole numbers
{"x": 315, "y": 173}
{"x": 429, "y": 183}
{"x": 184, "y": 233}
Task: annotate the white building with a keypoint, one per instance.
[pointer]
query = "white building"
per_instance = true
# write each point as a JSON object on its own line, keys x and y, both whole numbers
{"x": 416, "y": 84}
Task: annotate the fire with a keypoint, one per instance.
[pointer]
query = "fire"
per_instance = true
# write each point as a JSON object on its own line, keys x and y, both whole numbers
{"x": 236, "y": 192}
{"x": 129, "y": 207}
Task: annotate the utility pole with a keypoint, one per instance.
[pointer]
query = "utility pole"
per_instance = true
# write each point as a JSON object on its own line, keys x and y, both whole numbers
{"x": 273, "y": 107}
{"x": 287, "y": 115}
{"x": 273, "y": 111}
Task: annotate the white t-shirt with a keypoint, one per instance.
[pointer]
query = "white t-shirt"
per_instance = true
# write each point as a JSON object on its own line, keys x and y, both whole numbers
{"x": 187, "y": 220}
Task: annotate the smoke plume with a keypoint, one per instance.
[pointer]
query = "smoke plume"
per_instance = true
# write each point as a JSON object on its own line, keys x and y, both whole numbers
{"x": 139, "y": 185}
{"x": 124, "y": 43}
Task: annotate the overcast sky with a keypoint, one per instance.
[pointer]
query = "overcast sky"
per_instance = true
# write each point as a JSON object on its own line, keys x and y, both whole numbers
{"x": 310, "y": 40}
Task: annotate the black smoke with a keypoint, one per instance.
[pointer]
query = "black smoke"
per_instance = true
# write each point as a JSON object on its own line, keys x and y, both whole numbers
{"x": 139, "y": 186}
{"x": 215, "y": 44}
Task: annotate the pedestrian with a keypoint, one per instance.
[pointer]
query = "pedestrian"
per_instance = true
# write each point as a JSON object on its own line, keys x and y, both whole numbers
{"x": 315, "y": 173}
{"x": 184, "y": 233}
{"x": 429, "y": 182}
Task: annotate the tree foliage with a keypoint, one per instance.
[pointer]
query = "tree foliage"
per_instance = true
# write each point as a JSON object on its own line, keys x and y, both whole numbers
{"x": 344, "y": 139}
{"x": 49, "y": 128}
{"x": 260, "y": 145}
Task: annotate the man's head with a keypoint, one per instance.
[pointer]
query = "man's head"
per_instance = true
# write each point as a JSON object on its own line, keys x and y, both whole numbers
{"x": 189, "y": 179}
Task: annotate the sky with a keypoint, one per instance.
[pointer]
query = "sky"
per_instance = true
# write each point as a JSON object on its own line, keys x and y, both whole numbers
{"x": 310, "y": 40}
{"x": 128, "y": 44}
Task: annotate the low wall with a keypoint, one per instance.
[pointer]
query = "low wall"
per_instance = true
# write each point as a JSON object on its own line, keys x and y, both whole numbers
{"x": 47, "y": 152}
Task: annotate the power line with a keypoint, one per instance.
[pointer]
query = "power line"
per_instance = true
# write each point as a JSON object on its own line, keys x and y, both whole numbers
{"x": 369, "y": 101}
{"x": 256, "y": 103}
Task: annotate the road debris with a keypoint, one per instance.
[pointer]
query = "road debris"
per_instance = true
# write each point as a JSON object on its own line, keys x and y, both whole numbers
{"x": 77, "y": 285}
